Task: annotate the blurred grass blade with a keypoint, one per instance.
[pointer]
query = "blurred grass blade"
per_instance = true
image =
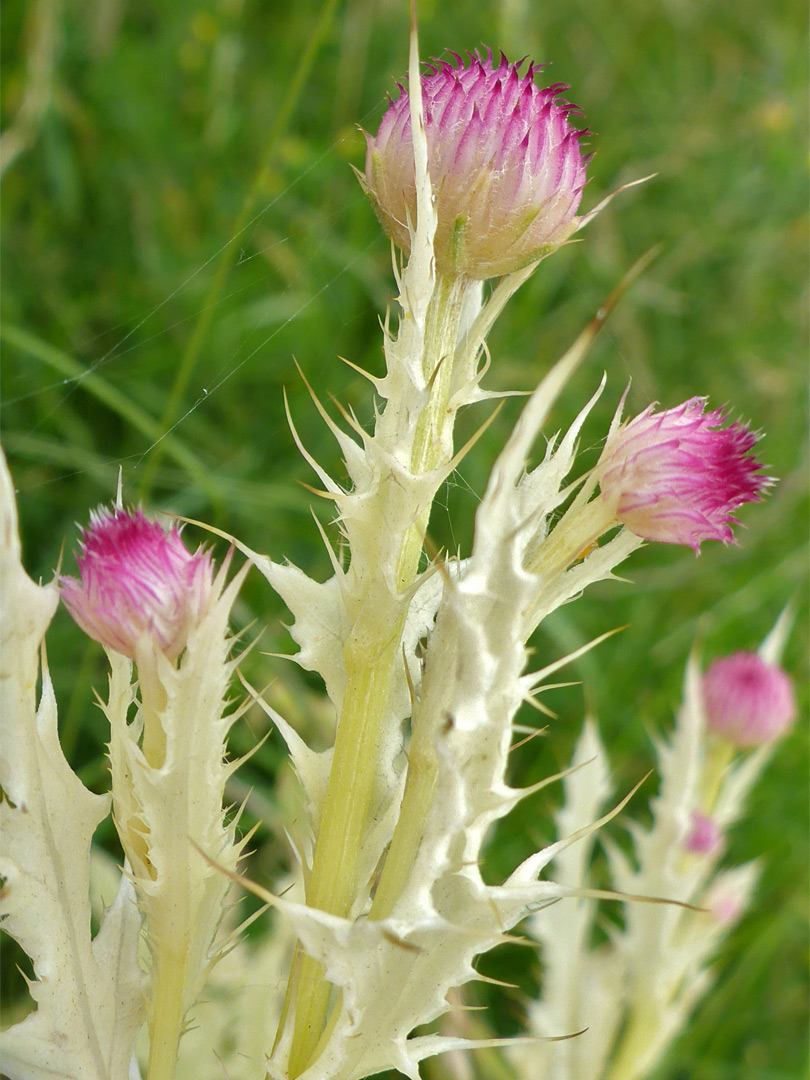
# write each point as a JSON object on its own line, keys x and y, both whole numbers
{"x": 114, "y": 399}
{"x": 192, "y": 352}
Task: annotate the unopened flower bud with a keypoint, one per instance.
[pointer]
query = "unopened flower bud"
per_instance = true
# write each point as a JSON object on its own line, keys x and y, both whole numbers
{"x": 137, "y": 580}
{"x": 676, "y": 476}
{"x": 504, "y": 162}
{"x": 725, "y": 905}
{"x": 747, "y": 700}
{"x": 705, "y": 836}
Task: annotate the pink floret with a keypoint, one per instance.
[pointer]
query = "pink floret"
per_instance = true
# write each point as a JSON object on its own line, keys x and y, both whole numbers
{"x": 705, "y": 836}
{"x": 747, "y": 700}
{"x": 724, "y": 905}
{"x": 137, "y": 580}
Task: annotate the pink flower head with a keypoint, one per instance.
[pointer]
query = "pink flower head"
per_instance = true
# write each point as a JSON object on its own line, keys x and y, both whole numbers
{"x": 137, "y": 580}
{"x": 724, "y": 904}
{"x": 705, "y": 836}
{"x": 505, "y": 166}
{"x": 747, "y": 700}
{"x": 676, "y": 476}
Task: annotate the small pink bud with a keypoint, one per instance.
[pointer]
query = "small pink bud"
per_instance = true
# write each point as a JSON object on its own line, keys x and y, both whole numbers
{"x": 137, "y": 580}
{"x": 504, "y": 163}
{"x": 705, "y": 836}
{"x": 748, "y": 701}
{"x": 725, "y": 904}
{"x": 676, "y": 476}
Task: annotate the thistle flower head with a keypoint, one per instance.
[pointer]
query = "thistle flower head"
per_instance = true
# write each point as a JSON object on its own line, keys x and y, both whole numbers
{"x": 705, "y": 836}
{"x": 137, "y": 580}
{"x": 676, "y": 476}
{"x": 747, "y": 700}
{"x": 724, "y": 904}
{"x": 504, "y": 162}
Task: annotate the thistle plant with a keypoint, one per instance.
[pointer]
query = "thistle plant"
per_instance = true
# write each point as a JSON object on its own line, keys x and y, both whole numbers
{"x": 635, "y": 990}
{"x": 476, "y": 173}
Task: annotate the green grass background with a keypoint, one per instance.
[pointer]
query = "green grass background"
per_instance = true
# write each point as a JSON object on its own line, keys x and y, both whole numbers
{"x": 180, "y": 220}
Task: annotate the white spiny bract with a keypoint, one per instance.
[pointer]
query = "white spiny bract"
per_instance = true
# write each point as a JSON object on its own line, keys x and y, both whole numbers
{"x": 89, "y": 992}
{"x": 232, "y": 1025}
{"x": 651, "y": 974}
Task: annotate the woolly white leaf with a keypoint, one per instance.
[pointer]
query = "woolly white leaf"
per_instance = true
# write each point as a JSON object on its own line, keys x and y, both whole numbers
{"x": 88, "y": 992}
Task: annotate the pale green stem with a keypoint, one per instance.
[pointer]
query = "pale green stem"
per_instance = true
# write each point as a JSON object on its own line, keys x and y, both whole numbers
{"x": 631, "y": 1057}
{"x": 169, "y": 932}
{"x": 371, "y": 652}
{"x": 416, "y": 800}
{"x": 720, "y": 753}
{"x": 153, "y": 702}
{"x": 430, "y": 444}
{"x": 166, "y": 1019}
{"x": 572, "y": 538}
{"x": 332, "y": 883}
{"x": 170, "y": 944}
